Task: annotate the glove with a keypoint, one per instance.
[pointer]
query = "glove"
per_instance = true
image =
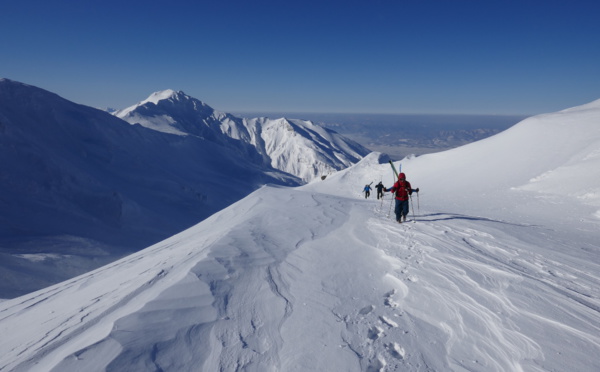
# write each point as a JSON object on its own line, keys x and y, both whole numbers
{"x": 384, "y": 189}
{"x": 417, "y": 190}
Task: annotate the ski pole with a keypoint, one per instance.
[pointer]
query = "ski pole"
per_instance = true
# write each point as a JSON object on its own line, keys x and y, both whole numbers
{"x": 413, "y": 209}
{"x": 418, "y": 204}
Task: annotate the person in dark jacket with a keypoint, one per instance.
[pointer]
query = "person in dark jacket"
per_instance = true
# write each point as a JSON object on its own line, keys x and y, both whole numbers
{"x": 402, "y": 189}
{"x": 380, "y": 189}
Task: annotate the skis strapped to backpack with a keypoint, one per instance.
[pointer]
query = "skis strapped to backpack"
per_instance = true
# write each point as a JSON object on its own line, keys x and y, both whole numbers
{"x": 394, "y": 169}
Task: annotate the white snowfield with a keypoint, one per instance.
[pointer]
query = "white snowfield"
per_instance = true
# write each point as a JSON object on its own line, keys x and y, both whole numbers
{"x": 500, "y": 272}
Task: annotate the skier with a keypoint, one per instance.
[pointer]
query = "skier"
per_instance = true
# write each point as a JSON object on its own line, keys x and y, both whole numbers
{"x": 402, "y": 189}
{"x": 379, "y": 188}
{"x": 367, "y": 191}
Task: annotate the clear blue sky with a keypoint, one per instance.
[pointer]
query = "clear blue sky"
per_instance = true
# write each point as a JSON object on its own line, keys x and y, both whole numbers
{"x": 370, "y": 56}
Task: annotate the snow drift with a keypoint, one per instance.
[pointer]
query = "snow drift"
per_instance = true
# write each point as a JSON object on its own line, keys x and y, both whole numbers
{"x": 318, "y": 278}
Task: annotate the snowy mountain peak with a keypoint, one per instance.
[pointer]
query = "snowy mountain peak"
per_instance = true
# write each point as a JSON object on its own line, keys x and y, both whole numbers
{"x": 174, "y": 97}
{"x": 166, "y": 100}
{"x": 298, "y": 147}
{"x": 285, "y": 123}
{"x": 173, "y": 112}
{"x": 161, "y": 95}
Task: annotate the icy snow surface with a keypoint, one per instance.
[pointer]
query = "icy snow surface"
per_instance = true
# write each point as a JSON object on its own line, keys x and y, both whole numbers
{"x": 499, "y": 272}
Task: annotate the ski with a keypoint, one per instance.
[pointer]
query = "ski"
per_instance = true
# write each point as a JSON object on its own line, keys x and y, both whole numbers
{"x": 414, "y": 220}
{"x": 394, "y": 168}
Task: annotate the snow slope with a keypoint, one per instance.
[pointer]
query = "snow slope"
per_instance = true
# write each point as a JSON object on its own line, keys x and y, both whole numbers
{"x": 555, "y": 157}
{"x": 80, "y": 187}
{"x": 294, "y": 146}
{"x": 317, "y": 278}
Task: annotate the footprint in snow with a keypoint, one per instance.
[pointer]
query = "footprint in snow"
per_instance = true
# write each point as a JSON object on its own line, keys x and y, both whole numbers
{"x": 377, "y": 365}
{"x": 366, "y": 310}
{"x": 374, "y": 333}
{"x": 390, "y": 293}
{"x": 395, "y": 350}
{"x": 387, "y": 321}
{"x": 389, "y": 301}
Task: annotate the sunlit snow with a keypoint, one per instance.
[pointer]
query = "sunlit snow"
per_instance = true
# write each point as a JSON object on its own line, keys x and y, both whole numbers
{"x": 498, "y": 269}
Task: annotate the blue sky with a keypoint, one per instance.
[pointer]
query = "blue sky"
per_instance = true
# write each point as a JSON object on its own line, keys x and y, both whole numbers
{"x": 370, "y": 56}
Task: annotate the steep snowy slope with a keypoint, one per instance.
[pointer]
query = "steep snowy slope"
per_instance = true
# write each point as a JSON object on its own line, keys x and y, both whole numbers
{"x": 304, "y": 149}
{"x": 317, "y": 278}
{"x": 294, "y": 146}
{"x": 79, "y": 187}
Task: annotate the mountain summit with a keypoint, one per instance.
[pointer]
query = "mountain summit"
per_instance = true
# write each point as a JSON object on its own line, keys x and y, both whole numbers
{"x": 172, "y": 112}
{"x": 294, "y": 146}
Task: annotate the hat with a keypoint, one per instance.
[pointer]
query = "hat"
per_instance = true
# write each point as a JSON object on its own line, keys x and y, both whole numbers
{"x": 401, "y": 176}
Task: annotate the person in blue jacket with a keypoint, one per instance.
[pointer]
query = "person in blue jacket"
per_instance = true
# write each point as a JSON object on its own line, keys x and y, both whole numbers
{"x": 367, "y": 191}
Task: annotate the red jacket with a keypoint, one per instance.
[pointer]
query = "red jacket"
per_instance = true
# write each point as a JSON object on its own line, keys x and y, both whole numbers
{"x": 402, "y": 189}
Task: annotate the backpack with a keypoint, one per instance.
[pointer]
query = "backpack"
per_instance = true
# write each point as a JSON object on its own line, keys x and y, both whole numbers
{"x": 401, "y": 191}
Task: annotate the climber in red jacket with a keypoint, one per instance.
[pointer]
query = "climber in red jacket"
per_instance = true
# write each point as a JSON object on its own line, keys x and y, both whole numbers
{"x": 402, "y": 190}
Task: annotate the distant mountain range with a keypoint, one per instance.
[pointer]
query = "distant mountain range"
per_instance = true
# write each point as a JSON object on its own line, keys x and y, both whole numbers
{"x": 298, "y": 147}
{"x": 80, "y": 187}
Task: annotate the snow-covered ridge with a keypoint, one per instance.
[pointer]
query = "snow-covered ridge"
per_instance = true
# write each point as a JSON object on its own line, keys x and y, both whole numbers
{"x": 554, "y": 156}
{"x": 80, "y": 187}
{"x": 316, "y": 278}
{"x": 298, "y": 147}
{"x": 588, "y": 106}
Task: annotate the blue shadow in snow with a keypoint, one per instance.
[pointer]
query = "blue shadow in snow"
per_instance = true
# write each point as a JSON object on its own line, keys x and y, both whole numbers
{"x": 432, "y": 217}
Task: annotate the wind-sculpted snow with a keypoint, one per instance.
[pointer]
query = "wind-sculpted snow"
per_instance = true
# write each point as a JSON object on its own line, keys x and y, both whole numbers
{"x": 223, "y": 277}
{"x": 296, "y": 280}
